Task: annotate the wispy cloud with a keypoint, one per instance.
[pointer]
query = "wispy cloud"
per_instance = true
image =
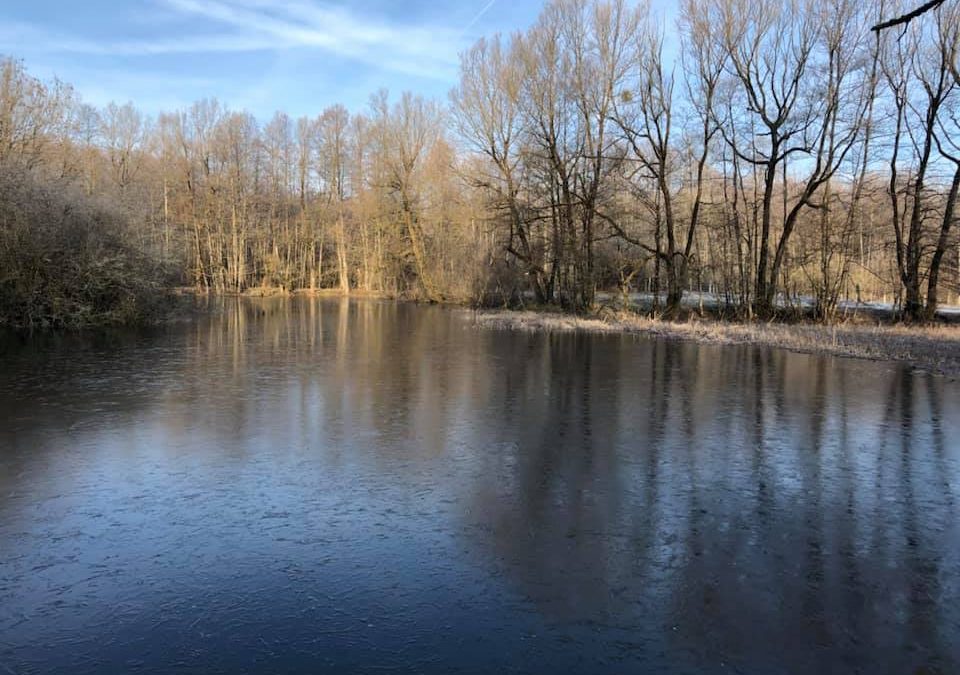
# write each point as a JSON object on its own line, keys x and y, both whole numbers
{"x": 480, "y": 14}
{"x": 26, "y": 37}
{"x": 251, "y": 53}
{"x": 421, "y": 51}
{"x": 260, "y": 25}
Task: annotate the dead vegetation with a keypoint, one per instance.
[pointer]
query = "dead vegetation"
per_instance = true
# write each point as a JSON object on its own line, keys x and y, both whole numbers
{"x": 930, "y": 347}
{"x": 67, "y": 260}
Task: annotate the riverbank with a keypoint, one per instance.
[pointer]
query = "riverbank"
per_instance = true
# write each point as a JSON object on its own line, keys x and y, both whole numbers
{"x": 932, "y": 348}
{"x": 278, "y": 292}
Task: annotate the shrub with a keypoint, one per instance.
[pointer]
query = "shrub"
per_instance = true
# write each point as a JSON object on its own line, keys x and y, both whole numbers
{"x": 67, "y": 260}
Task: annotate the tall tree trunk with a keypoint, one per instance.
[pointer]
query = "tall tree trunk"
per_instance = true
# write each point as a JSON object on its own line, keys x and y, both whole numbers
{"x": 949, "y": 215}
{"x": 343, "y": 270}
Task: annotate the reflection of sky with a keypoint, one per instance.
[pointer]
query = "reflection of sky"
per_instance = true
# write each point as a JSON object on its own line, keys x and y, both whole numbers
{"x": 344, "y": 478}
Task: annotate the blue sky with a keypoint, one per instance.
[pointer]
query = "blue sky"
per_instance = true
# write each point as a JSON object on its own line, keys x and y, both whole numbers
{"x": 261, "y": 55}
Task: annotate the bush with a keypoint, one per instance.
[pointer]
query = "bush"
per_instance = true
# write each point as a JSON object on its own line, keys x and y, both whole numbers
{"x": 66, "y": 259}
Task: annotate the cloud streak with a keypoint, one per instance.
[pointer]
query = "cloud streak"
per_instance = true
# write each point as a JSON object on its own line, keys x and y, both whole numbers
{"x": 424, "y": 52}
{"x": 480, "y": 14}
{"x": 254, "y": 53}
{"x": 234, "y": 26}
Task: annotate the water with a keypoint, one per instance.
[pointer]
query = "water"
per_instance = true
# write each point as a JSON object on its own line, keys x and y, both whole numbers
{"x": 322, "y": 486}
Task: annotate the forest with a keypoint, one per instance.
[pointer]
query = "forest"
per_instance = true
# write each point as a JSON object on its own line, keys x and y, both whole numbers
{"x": 780, "y": 157}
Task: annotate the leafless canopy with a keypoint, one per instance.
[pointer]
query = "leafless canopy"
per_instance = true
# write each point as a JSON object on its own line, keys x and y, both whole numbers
{"x": 774, "y": 156}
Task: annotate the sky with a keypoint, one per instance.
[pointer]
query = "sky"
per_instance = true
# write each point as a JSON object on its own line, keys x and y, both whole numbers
{"x": 298, "y": 56}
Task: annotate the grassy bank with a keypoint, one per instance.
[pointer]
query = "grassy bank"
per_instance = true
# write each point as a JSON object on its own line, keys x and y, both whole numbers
{"x": 934, "y": 348}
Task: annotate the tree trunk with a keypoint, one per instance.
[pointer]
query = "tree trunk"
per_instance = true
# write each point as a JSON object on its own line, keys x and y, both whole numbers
{"x": 343, "y": 270}
{"x": 933, "y": 280}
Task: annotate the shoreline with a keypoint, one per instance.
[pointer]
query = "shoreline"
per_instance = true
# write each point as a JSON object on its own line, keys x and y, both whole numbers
{"x": 934, "y": 348}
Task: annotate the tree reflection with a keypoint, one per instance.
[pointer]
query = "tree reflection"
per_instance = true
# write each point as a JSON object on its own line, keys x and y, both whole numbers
{"x": 737, "y": 505}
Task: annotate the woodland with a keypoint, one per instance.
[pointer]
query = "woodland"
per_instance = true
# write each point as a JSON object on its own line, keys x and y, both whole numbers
{"x": 779, "y": 158}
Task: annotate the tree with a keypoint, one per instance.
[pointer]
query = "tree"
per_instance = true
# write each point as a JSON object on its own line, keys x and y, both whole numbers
{"x": 794, "y": 65}
{"x": 333, "y": 128}
{"x": 486, "y": 112}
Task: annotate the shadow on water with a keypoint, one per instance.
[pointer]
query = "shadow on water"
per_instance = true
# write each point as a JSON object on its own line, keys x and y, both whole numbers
{"x": 300, "y": 485}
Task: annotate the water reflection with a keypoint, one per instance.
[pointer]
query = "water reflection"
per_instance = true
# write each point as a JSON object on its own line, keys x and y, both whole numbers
{"x": 297, "y": 485}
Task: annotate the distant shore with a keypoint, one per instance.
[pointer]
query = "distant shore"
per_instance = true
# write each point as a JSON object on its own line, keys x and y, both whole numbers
{"x": 934, "y": 348}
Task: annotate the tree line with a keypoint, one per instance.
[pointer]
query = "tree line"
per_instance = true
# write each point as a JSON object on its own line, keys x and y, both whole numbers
{"x": 775, "y": 155}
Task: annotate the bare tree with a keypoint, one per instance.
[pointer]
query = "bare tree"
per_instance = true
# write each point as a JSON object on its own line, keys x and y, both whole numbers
{"x": 486, "y": 112}
{"x": 919, "y": 78}
{"x": 334, "y": 127}
{"x": 646, "y": 118}
{"x": 947, "y": 138}
{"x": 794, "y": 63}
{"x": 124, "y": 132}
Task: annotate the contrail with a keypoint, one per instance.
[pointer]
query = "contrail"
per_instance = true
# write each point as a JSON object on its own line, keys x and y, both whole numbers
{"x": 480, "y": 14}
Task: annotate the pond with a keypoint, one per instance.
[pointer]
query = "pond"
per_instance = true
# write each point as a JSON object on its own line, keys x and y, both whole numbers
{"x": 302, "y": 486}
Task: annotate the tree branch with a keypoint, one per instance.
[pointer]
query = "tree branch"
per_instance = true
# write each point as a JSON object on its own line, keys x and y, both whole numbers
{"x": 908, "y": 17}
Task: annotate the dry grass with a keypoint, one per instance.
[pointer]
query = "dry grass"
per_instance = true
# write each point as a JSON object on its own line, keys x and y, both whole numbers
{"x": 933, "y": 348}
